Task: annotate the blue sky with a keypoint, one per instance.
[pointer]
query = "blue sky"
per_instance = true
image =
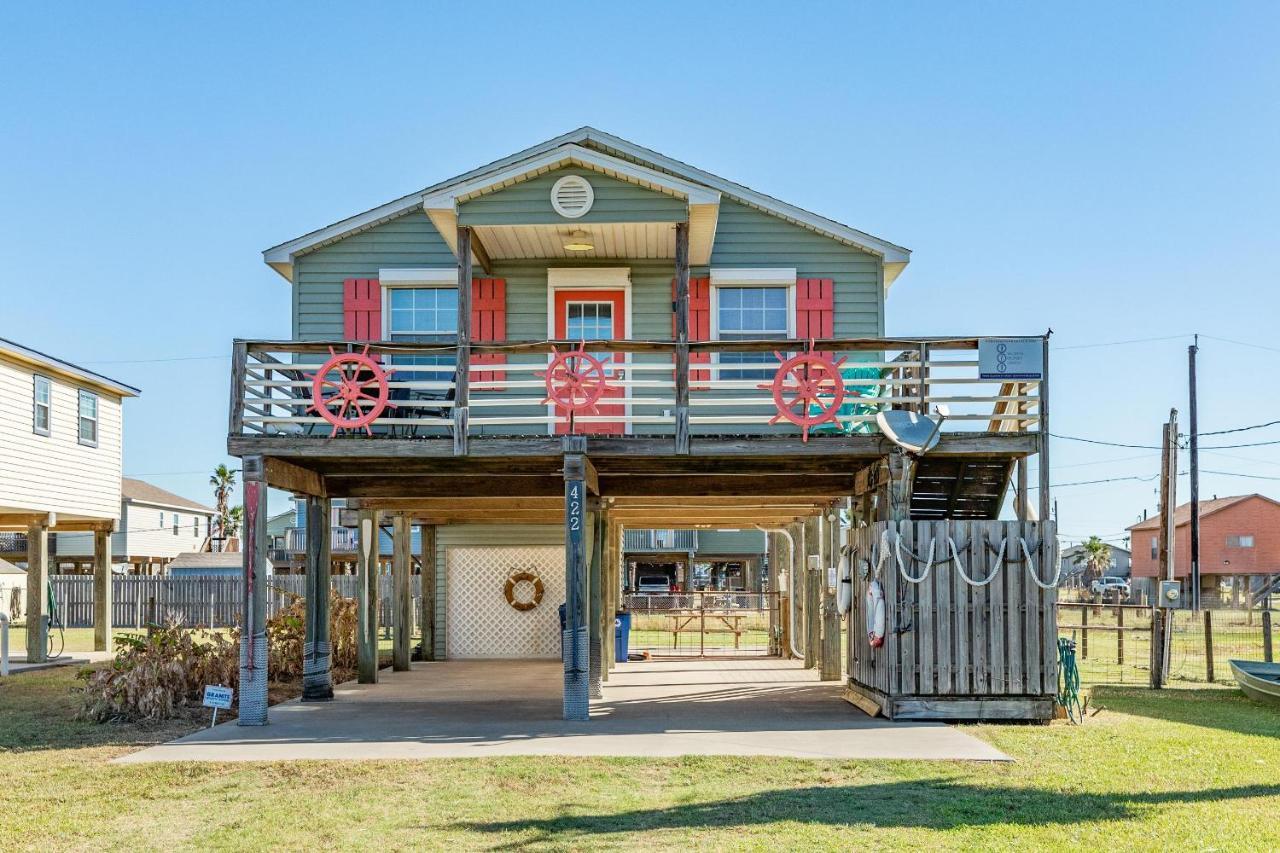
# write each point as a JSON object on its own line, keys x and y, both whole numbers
{"x": 1108, "y": 170}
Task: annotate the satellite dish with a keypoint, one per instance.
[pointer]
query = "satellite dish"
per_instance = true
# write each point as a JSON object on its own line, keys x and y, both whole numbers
{"x": 917, "y": 434}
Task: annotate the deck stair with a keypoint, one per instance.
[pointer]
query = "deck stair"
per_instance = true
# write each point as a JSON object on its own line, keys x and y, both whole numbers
{"x": 960, "y": 488}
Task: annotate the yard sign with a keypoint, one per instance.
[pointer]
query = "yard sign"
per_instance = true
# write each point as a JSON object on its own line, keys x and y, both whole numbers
{"x": 217, "y": 697}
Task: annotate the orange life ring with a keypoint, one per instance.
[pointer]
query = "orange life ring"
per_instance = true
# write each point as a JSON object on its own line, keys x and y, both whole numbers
{"x": 524, "y": 577}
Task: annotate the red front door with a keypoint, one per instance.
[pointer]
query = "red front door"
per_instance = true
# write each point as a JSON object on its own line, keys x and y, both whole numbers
{"x": 594, "y": 315}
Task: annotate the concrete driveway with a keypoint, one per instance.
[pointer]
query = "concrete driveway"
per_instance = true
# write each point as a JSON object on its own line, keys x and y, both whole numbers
{"x": 755, "y": 706}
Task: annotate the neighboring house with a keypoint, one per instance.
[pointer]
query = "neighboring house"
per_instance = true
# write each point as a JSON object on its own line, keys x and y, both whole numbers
{"x": 680, "y": 295}
{"x": 1239, "y": 545}
{"x": 61, "y": 456}
{"x": 13, "y": 590}
{"x": 696, "y": 560}
{"x": 207, "y": 564}
{"x": 153, "y": 527}
{"x": 1073, "y": 562}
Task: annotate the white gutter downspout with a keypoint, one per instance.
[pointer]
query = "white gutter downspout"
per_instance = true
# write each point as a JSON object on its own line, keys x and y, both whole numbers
{"x": 791, "y": 575}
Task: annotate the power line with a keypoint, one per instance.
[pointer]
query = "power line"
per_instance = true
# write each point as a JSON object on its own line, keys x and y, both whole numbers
{"x": 1241, "y": 343}
{"x": 1106, "y": 443}
{"x": 158, "y": 360}
{"x": 1241, "y": 429}
{"x": 1122, "y": 343}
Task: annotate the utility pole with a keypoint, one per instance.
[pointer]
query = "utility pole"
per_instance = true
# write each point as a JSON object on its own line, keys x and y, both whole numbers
{"x": 1195, "y": 477}
{"x": 1161, "y": 616}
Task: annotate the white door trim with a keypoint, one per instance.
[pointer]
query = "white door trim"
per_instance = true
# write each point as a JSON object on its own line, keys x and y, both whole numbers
{"x": 589, "y": 278}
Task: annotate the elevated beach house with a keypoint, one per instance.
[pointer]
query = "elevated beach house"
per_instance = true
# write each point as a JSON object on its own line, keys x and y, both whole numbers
{"x": 61, "y": 453}
{"x": 588, "y": 336}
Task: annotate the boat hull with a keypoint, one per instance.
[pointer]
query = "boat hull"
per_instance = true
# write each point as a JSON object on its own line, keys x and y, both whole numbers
{"x": 1259, "y": 681}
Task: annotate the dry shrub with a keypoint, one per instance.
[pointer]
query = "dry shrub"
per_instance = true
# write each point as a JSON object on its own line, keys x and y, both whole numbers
{"x": 155, "y": 676}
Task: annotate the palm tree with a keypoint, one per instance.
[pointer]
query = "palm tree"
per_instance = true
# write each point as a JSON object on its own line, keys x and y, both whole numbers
{"x": 223, "y": 480}
{"x": 1095, "y": 557}
{"x": 235, "y": 519}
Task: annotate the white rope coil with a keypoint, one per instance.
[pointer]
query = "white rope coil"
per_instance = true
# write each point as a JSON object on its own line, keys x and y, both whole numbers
{"x": 897, "y": 552}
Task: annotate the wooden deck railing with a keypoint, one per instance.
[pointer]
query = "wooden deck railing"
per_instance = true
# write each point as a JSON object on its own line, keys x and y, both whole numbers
{"x": 727, "y": 391}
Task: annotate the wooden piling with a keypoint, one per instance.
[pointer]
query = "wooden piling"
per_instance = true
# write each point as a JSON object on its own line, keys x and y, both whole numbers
{"x": 102, "y": 633}
{"x": 367, "y": 598}
{"x": 401, "y": 600}
{"x": 831, "y": 666}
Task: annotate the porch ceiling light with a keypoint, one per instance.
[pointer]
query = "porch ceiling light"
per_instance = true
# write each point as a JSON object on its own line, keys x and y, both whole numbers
{"x": 578, "y": 241}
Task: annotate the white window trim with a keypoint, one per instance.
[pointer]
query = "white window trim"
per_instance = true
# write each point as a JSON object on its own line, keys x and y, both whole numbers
{"x": 589, "y": 278}
{"x": 749, "y": 278}
{"x": 414, "y": 279}
{"x": 36, "y": 379}
{"x": 97, "y": 418}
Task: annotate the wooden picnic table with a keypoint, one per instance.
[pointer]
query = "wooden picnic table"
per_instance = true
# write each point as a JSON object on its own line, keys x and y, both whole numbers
{"x": 683, "y": 620}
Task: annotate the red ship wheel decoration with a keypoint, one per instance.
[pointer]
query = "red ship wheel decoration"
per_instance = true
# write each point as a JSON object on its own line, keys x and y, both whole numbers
{"x": 576, "y": 380}
{"x": 807, "y": 389}
{"x": 350, "y": 391}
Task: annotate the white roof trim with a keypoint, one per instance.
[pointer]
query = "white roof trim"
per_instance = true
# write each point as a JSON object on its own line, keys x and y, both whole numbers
{"x": 574, "y": 155}
{"x": 65, "y": 369}
{"x": 757, "y": 276}
{"x": 895, "y": 257}
{"x": 421, "y": 275}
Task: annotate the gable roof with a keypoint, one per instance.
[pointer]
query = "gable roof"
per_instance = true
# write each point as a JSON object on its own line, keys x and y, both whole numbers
{"x": 65, "y": 368}
{"x": 597, "y": 142}
{"x": 1182, "y": 512}
{"x": 139, "y": 491}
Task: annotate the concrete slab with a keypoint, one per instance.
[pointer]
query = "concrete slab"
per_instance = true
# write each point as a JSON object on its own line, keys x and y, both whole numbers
{"x": 655, "y": 708}
{"x": 19, "y": 664}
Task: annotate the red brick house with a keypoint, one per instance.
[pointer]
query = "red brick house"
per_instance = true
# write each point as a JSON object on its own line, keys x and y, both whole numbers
{"x": 1239, "y": 537}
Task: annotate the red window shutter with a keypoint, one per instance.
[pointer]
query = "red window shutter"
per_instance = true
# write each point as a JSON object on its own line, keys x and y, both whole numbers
{"x": 362, "y": 309}
{"x": 699, "y": 322}
{"x": 489, "y": 323}
{"x": 815, "y": 308}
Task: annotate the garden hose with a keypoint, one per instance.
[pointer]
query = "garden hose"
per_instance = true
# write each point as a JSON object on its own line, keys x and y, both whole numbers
{"x": 60, "y": 641}
{"x": 1069, "y": 680}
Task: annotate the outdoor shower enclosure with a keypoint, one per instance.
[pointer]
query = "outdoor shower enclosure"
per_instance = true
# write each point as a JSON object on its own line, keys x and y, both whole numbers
{"x": 970, "y": 626}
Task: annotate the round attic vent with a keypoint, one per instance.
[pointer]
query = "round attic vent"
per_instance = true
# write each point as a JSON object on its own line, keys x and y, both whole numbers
{"x": 572, "y": 196}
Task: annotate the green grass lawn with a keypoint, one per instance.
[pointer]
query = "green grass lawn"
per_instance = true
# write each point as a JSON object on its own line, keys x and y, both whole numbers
{"x": 1186, "y": 769}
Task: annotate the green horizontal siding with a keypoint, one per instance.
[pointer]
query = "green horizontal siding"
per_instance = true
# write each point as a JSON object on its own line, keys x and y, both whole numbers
{"x": 730, "y": 542}
{"x": 746, "y": 237}
{"x": 408, "y": 241}
{"x": 529, "y": 203}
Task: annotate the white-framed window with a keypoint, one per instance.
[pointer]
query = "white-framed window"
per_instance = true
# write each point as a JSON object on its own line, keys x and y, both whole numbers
{"x": 177, "y": 521}
{"x": 88, "y": 418}
{"x": 1155, "y": 547}
{"x": 1239, "y": 541}
{"x": 41, "y": 405}
{"x": 162, "y": 519}
{"x": 195, "y": 526}
{"x": 421, "y": 307}
{"x": 747, "y": 308}
{"x": 589, "y": 321}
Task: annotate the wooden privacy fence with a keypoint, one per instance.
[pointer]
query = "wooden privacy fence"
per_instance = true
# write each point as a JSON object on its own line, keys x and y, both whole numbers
{"x": 193, "y": 602}
{"x": 993, "y": 635}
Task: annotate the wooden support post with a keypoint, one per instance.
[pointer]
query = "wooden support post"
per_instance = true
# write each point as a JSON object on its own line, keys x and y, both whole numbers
{"x": 37, "y": 591}
{"x": 1208, "y": 645}
{"x": 831, "y": 663}
{"x": 253, "y": 628}
{"x": 1043, "y": 462}
{"x": 102, "y": 633}
{"x": 575, "y": 649}
{"x": 317, "y": 674}
{"x": 1266, "y": 637}
{"x": 1120, "y": 635}
{"x": 462, "y": 380}
{"x": 609, "y": 585}
{"x": 428, "y": 534}
{"x": 595, "y": 603}
{"x": 1023, "y": 501}
{"x": 813, "y": 618}
{"x": 1084, "y": 633}
{"x": 401, "y": 600}
{"x": 367, "y": 597}
{"x": 681, "y": 311}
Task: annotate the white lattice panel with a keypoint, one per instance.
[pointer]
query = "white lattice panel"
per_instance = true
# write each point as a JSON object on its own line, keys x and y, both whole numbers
{"x": 478, "y": 621}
